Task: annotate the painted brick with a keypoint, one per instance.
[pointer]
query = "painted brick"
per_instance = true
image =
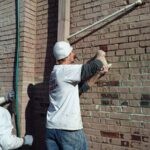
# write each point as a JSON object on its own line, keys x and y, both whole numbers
{"x": 110, "y": 134}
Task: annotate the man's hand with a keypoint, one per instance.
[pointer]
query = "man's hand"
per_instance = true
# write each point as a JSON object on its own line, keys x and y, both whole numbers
{"x": 10, "y": 96}
{"x": 93, "y": 79}
{"x": 100, "y": 53}
{"x": 98, "y": 75}
{"x": 101, "y": 56}
{"x": 28, "y": 140}
{"x": 105, "y": 69}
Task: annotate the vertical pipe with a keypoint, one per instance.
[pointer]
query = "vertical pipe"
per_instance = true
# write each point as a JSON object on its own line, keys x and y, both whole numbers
{"x": 17, "y": 116}
{"x": 63, "y": 20}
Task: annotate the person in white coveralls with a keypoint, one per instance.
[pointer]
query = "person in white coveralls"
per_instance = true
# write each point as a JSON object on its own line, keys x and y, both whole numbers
{"x": 9, "y": 141}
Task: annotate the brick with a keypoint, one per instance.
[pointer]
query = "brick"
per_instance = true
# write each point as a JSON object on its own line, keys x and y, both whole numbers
{"x": 145, "y": 97}
{"x": 144, "y": 17}
{"x": 131, "y": 110}
{"x": 145, "y": 138}
{"x": 122, "y": 116}
{"x": 120, "y": 53}
{"x": 105, "y": 6}
{"x": 103, "y": 47}
{"x": 101, "y": 42}
{"x": 119, "y": 40}
{"x": 113, "y": 59}
{"x": 109, "y": 83}
{"x": 95, "y": 145}
{"x": 139, "y": 37}
{"x": 111, "y": 35}
{"x": 84, "y": 22}
{"x": 114, "y": 28}
{"x": 96, "y": 9}
{"x": 139, "y": 117}
{"x": 96, "y": 132}
{"x": 129, "y": 45}
{"x": 130, "y": 57}
{"x": 144, "y": 43}
{"x": 111, "y": 96}
{"x": 110, "y": 134}
{"x": 135, "y": 145}
{"x": 106, "y": 102}
{"x": 131, "y": 19}
{"x": 78, "y": 8}
{"x": 130, "y": 32}
{"x": 125, "y": 143}
{"x": 140, "y": 50}
{"x": 136, "y": 137}
{"x": 140, "y": 24}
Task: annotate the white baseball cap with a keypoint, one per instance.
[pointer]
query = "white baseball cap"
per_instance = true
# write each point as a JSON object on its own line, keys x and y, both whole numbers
{"x": 62, "y": 50}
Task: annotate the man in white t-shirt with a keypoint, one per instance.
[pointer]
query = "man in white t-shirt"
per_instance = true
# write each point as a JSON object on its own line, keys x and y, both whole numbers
{"x": 7, "y": 139}
{"x": 64, "y": 128}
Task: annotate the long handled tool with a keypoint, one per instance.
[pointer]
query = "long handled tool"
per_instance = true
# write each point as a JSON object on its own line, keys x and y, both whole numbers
{"x": 115, "y": 14}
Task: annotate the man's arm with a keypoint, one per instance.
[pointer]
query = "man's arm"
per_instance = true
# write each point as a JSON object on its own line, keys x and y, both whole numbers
{"x": 89, "y": 69}
{"x": 99, "y": 62}
{"x": 11, "y": 142}
{"x": 84, "y": 86}
{"x": 8, "y": 98}
{"x": 7, "y": 139}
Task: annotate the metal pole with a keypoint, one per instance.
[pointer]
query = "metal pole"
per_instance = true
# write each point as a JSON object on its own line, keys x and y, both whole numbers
{"x": 17, "y": 115}
{"x": 123, "y": 10}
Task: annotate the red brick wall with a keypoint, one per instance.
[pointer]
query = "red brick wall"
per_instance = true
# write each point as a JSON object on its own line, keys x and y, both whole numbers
{"x": 116, "y": 110}
{"x": 26, "y": 52}
{"x": 7, "y": 45}
{"x": 38, "y": 33}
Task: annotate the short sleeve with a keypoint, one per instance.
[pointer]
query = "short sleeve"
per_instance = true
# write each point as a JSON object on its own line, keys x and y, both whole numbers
{"x": 72, "y": 73}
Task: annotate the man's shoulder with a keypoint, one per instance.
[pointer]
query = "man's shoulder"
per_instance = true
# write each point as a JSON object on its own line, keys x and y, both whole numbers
{"x": 67, "y": 66}
{"x": 3, "y": 110}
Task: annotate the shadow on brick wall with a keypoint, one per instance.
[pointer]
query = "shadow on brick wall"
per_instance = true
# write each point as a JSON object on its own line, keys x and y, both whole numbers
{"x": 38, "y": 94}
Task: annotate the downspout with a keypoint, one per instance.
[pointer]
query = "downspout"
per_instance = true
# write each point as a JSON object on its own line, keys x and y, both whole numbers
{"x": 17, "y": 116}
{"x": 63, "y": 30}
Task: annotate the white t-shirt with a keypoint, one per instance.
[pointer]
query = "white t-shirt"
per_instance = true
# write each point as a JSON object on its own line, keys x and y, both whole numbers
{"x": 64, "y": 110}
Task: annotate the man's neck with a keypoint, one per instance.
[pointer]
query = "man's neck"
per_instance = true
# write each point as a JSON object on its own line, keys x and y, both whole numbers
{"x": 64, "y": 62}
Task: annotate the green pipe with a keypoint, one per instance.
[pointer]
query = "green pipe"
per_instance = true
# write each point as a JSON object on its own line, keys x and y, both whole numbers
{"x": 17, "y": 116}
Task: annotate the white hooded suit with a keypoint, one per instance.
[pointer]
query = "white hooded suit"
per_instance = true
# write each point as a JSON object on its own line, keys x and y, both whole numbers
{"x": 8, "y": 141}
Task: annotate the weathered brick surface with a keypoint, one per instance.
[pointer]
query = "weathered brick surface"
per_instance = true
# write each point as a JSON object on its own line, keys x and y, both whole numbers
{"x": 122, "y": 99}
{"x": 7, "y": 45}
{"x": 38, "y": 32}
{"x": 26, "y": 51}
{"x": 116, "y": 110}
